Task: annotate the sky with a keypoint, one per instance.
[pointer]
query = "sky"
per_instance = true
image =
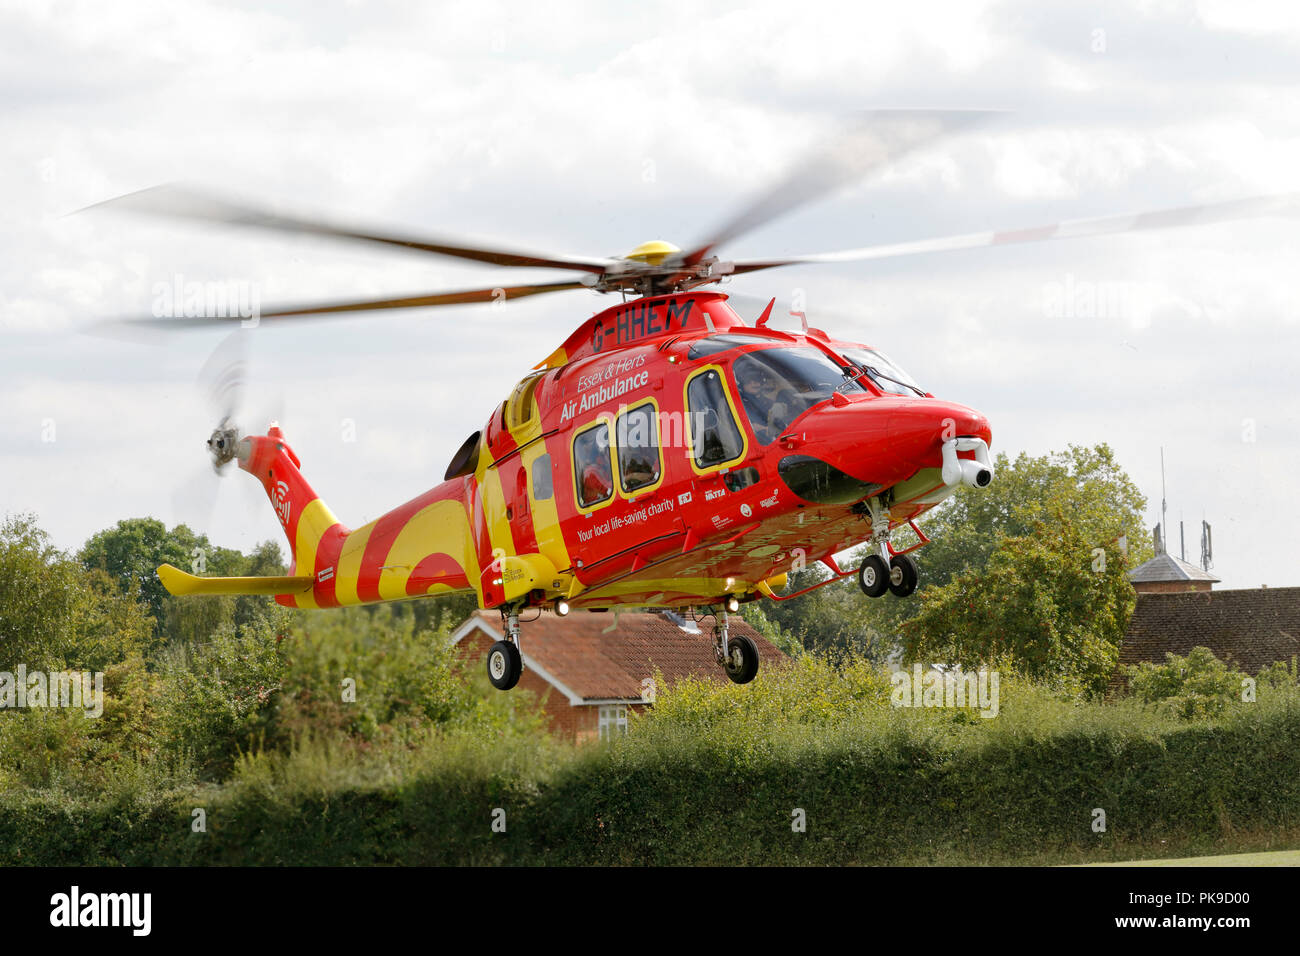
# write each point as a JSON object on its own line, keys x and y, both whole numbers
{"x": 585, "y": 128}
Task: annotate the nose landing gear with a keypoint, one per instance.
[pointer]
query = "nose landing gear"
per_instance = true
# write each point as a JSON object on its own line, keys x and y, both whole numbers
{"x": 885, "y": 571}
{"x": 903, "y": 575}
{"x": 873, "y": 576}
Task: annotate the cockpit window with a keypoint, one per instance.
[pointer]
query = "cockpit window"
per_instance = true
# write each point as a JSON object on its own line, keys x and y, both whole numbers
{"x": 718, "y": 343}
{"x": 887, "y": 376}
{"x": 777, "y": 385}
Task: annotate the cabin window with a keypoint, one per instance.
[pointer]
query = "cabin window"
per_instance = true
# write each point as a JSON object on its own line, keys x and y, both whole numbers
{"x": 593, "y": 471}
{"x": 542, "y": 488}
{"x": 638, "y": 448}
{"x": 715, "y": 436}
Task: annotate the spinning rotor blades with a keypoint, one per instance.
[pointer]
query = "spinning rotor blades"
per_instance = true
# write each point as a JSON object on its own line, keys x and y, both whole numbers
{"x": 867, "y": 142}
{"x": 185, "y": 202}
{"x": 497, "y": 294}
{"x": 1281, "y": 204}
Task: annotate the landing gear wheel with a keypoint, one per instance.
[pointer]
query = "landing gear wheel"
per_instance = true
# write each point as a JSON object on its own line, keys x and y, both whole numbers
{"x": 742, "y": 660}
{"x": 504, "y": 665}
{"x": 903, "y": 575}
{"x": 873, "y": 576}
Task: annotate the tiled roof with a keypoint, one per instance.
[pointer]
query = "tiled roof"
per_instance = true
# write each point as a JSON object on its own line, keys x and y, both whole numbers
{"x": 1165, "y": 567}
{"x": 1250, "y": 628}
{"x": 577, "y": 652}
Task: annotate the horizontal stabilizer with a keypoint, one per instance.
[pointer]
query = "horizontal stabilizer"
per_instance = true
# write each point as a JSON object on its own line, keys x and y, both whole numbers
{"x": 178, "y": 582}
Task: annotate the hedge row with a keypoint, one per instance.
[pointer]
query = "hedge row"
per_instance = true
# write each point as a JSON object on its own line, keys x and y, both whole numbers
{"x": 880, "y": 787}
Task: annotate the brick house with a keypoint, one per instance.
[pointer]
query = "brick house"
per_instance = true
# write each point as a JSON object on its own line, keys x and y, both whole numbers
{"x": 590, "y": 675}
{"x": 1248, "y": 628}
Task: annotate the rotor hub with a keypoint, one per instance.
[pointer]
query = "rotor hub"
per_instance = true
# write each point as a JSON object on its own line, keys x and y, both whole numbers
{"x": 223, "y": 445}
{"x": 654, "y": 252}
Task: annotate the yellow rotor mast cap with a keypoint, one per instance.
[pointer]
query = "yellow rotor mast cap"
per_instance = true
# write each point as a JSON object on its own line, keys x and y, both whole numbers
{"x": 653, "y": 252}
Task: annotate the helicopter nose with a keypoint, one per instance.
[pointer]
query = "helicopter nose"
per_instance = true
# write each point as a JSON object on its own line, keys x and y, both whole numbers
{"x": 934, "y": 422}
{"x": 864, "y": 446}
{"x": 918, "y": 430}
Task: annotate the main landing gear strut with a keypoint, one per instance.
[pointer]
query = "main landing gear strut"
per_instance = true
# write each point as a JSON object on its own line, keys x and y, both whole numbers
{"x": 737, "y": 655}
{"x": 504, "y": 662}
{"x": 885, "y": 571}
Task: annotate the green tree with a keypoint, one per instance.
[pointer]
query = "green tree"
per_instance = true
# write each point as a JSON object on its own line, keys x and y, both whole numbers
{"x": 131, "y": 552}
{"x": 219, "y": 697}
{"x": 57, "y": 616}
{"x": 1197, "y": 685}
{"x": 1034, "y": 571}
{"x": 37, "y": 595}
{"x": 54, "y": 613}
{"x": 836, "y": 619}
{"x": 445, "y": 612}
{"x": 1086, "y": 484}
{"x": 1048, "y": 603}
{"x": 759, "y": 618}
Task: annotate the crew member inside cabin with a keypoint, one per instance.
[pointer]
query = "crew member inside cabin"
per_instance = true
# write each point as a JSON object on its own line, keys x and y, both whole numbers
{"x": 592, "y": 465}
{"x": 597, "y": 481}
{"x": 765, "y": 402}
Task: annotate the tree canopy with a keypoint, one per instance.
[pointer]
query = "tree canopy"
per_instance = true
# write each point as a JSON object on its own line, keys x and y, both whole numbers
{"x": 130, "y": 553}
{"x": 1033, "y": 571}
{"x": 1030, "y": 569}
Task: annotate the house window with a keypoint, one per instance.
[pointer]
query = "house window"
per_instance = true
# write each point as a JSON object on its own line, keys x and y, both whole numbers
{"x": 613, "y": 721}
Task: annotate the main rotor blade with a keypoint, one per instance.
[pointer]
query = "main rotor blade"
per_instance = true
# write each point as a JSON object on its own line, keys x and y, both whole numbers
{"x": 497, "y": 294}
{"x": 870, "y": 141}
{"x": 186, "y": 202}
{"x": 1279, "y": 204}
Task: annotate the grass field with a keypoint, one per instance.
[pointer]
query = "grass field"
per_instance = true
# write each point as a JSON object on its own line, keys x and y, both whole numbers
{"x": 1275, "y": 858}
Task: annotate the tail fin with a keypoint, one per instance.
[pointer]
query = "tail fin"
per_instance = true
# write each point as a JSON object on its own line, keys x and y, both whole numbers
{"x": 310, "y": 526}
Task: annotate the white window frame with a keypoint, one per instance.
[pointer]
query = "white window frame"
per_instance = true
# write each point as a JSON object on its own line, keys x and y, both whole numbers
{"x": 612, "y": 717}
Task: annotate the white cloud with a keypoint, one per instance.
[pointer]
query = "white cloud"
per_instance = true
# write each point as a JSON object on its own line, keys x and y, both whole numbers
{"x": 581, "y": 128}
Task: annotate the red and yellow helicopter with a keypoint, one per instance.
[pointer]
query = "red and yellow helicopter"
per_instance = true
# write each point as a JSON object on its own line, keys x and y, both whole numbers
{"x": 668, "y": 454}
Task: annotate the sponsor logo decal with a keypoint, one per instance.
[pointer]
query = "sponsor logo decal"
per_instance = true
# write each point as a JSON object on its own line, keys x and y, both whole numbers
{"x": 280, "y": 502}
